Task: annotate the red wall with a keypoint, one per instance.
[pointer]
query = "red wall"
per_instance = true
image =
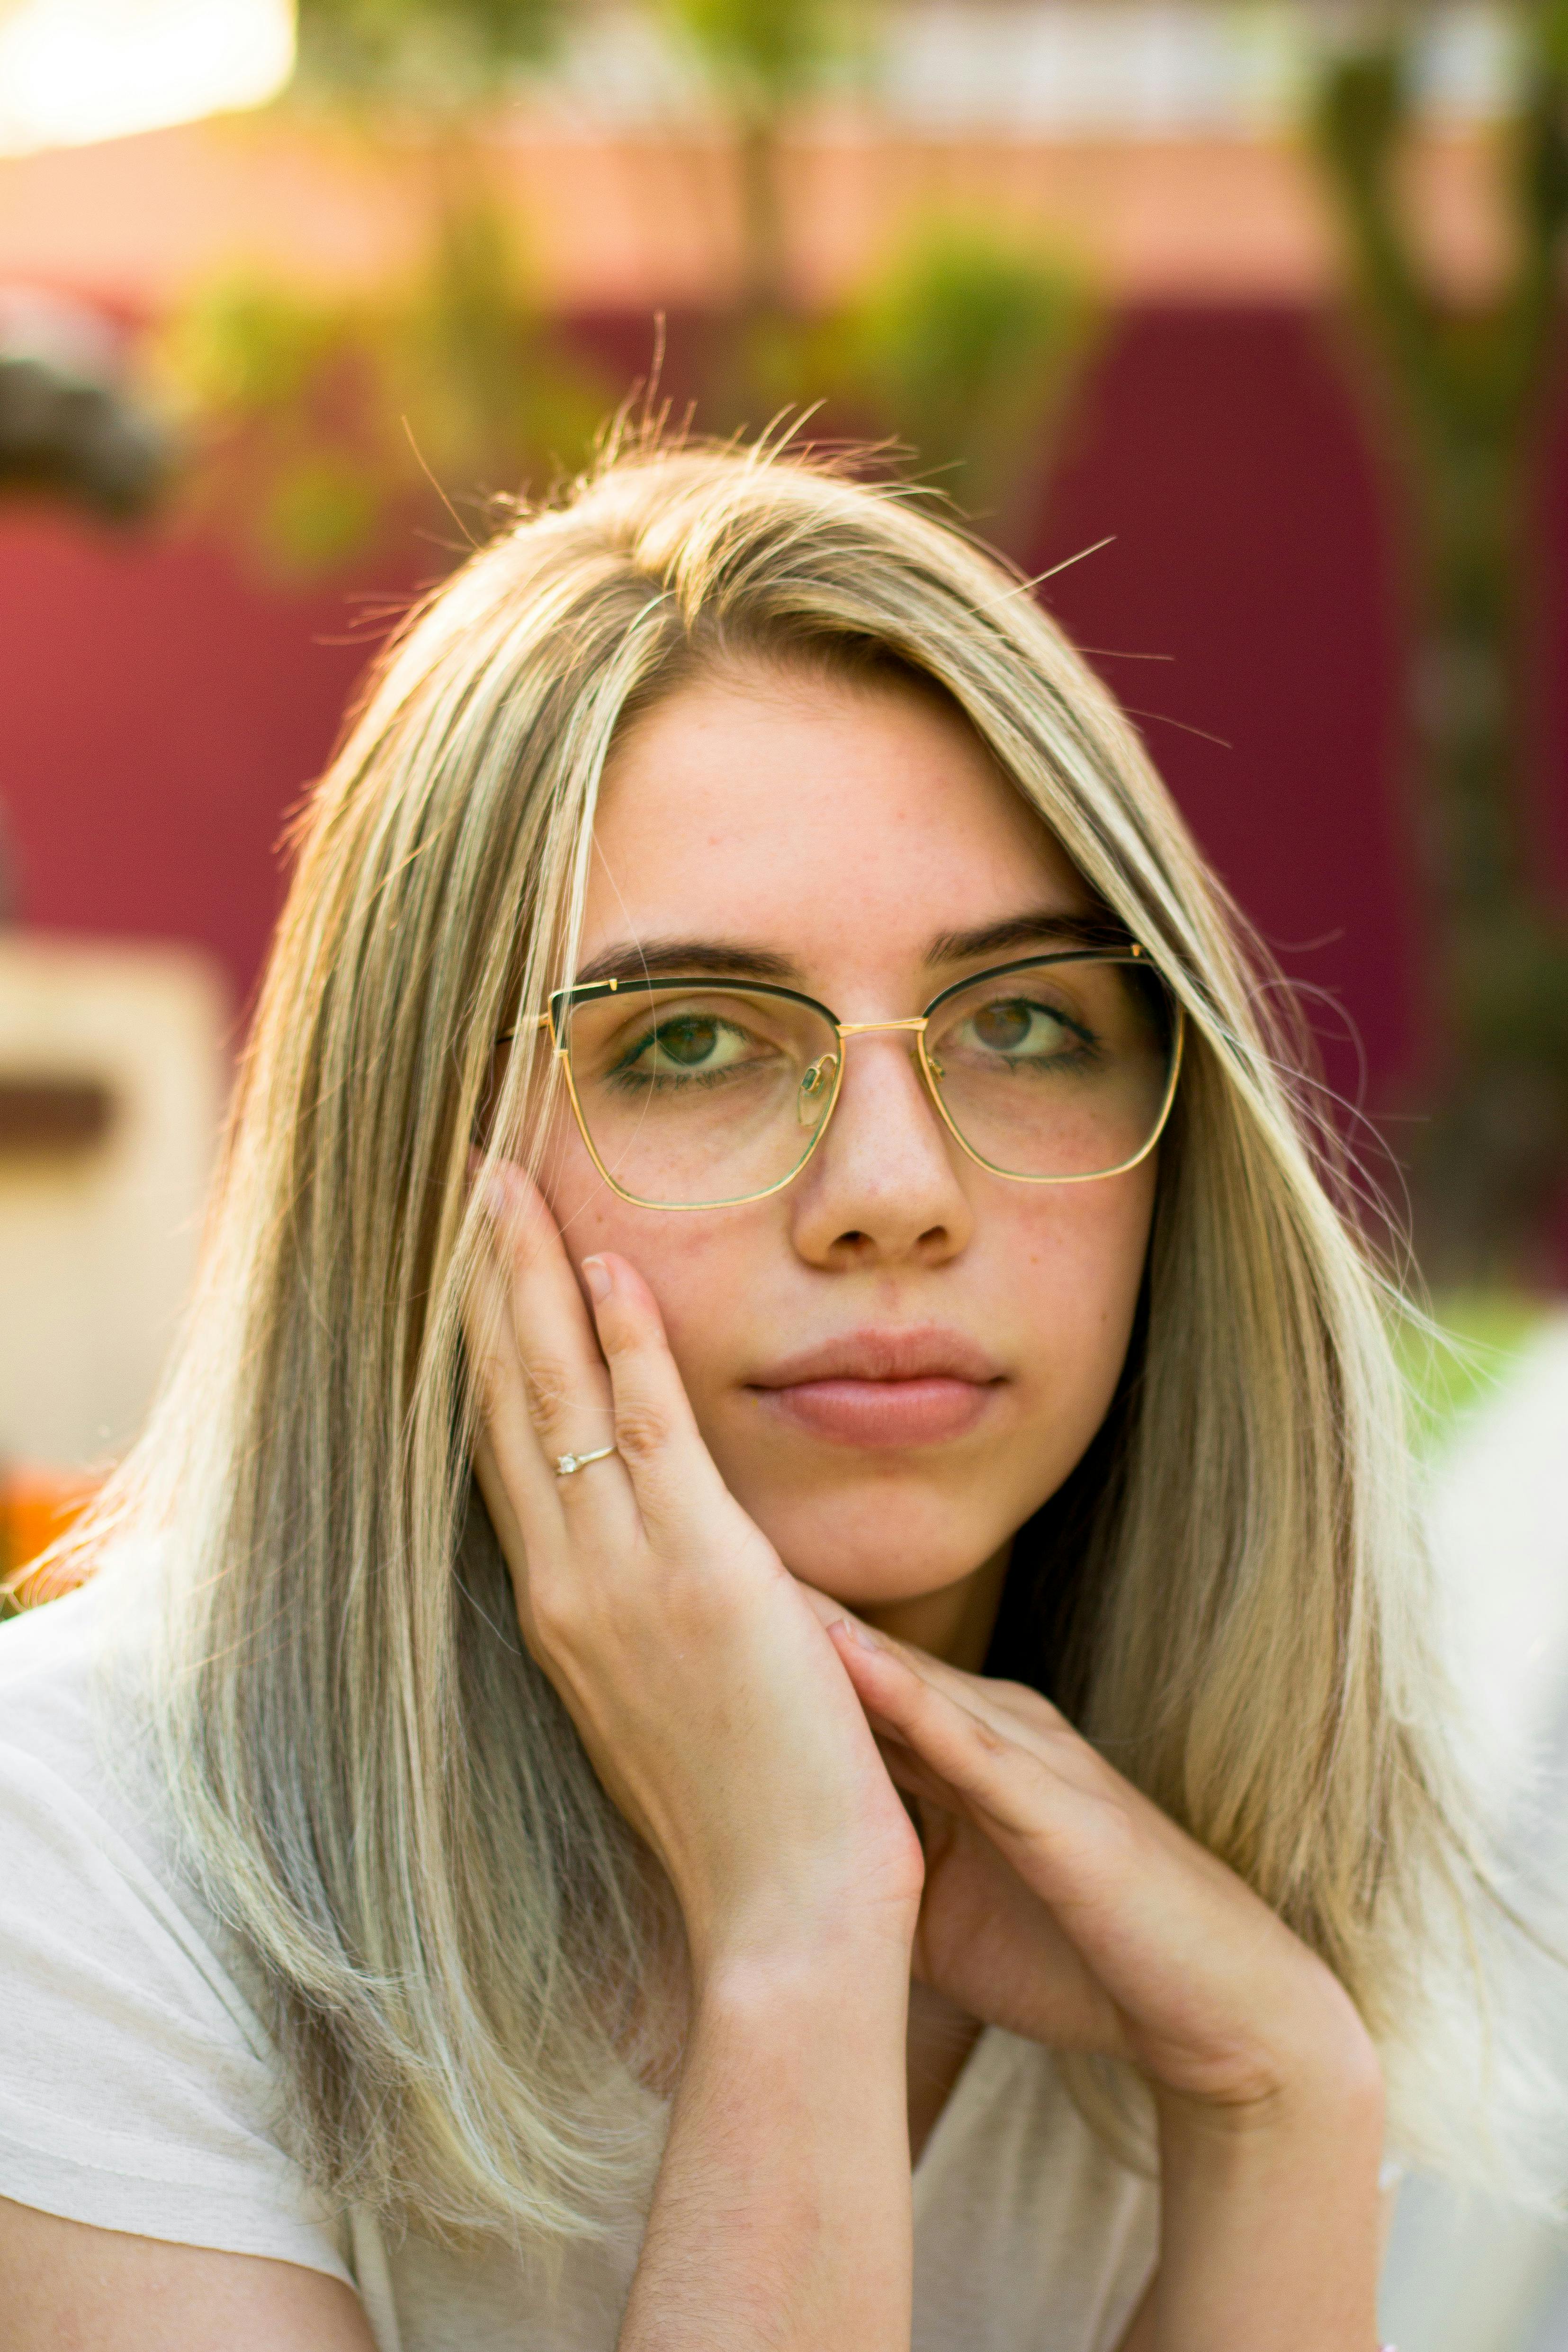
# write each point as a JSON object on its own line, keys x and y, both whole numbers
{"x": 1252, "y": 555}
{"x": 161, "y": 713}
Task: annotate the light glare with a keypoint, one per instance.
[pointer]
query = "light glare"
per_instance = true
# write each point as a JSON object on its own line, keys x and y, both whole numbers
{"x": 72, "y": 71}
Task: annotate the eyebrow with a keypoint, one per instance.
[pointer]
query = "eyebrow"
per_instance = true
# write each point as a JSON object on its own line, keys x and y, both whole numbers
{"x": 656, "y": 959}
{"x": 733, "y": 960}
{"x": 1094, "y": 928}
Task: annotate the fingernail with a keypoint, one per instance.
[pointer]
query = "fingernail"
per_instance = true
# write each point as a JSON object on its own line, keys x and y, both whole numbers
{"x": 598, "y": 1276}
{"x": 859, "y": 1635}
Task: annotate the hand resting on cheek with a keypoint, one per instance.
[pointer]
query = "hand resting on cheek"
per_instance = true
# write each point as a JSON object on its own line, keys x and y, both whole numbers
{"x": 1055, "y": 1899}
{"x": 714, "y": 1709}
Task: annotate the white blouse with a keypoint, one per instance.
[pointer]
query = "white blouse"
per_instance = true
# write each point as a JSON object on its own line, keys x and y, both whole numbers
{"x": 137, "y": 2084}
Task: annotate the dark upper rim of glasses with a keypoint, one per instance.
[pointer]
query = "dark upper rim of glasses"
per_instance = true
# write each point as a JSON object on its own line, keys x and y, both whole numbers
{"x": 565, "y": 1000}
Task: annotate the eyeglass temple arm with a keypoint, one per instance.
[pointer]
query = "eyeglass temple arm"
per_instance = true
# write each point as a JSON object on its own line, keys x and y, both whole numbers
{"x": 534, "y": 1021}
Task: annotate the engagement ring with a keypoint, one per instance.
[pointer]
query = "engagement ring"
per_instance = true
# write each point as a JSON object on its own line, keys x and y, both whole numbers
{"x": 565, "y": 1463}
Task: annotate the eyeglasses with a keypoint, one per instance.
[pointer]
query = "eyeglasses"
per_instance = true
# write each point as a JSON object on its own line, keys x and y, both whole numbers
{"x": 701, "y": 1094}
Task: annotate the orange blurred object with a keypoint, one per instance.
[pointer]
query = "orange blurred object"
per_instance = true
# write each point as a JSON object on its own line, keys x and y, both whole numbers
{"x": 38, "y": 1505}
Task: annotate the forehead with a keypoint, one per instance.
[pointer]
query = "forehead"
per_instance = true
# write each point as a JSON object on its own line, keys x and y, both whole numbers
{"x": 837, "y": 820}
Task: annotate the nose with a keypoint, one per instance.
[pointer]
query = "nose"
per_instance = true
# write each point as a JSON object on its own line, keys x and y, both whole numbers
{"x": 883, "y": 1188}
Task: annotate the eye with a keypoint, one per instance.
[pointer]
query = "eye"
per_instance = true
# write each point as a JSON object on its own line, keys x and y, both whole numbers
{"x": 1020, "y": 1029}
{"x": 685, "y": 1045}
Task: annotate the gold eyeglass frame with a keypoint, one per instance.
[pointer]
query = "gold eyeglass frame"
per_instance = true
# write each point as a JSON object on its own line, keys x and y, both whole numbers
{"x": 564, "y": 1000}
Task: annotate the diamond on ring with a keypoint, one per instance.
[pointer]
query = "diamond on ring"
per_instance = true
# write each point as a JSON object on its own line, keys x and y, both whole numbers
{"x": 565, "y": 1463}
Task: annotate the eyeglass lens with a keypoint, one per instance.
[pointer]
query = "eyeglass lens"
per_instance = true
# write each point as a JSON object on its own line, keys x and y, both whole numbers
{"x": 703, "y": 1094}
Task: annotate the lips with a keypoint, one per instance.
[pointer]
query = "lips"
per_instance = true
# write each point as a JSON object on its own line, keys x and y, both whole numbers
{"x": 883, "y": 1388}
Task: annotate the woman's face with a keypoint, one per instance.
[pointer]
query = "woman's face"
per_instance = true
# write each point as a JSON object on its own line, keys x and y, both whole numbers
{"x": 897, "y": 1359}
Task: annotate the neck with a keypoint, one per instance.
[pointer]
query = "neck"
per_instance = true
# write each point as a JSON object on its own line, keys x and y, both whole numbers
{"x": 953, "y": 1623}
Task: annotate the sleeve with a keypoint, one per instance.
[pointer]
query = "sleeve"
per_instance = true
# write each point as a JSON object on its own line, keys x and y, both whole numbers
{"x": 135, "y": 2079}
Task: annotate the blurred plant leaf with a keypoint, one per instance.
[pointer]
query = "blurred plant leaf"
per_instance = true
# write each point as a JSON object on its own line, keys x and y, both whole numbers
{"x": 966, "y": 345}
{"x": 766, "y": 53}
{"x": 428, "y": 55}
{"x": 1481, "y": 1336}
{"x": 322, "y": 418}
{"x": 248, "y": 347}
{"x": 1466, "y": 389}
{"x": 322, "y": 509}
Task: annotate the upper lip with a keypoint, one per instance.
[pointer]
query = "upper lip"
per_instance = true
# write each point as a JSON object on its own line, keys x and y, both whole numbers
{"x": 921, "y": 1353}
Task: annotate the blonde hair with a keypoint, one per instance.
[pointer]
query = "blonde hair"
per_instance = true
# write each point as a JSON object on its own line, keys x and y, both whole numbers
{"x": 379, "y": 1788}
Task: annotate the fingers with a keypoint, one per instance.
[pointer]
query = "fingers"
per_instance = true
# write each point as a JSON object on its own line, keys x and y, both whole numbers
{"x": 1018, "y": 1712}
{"x": 979, "y": 1693}
{"x": 563, "y": 1384}
{"x": 992, "y": 1765}
{"x": 508, "y": 1451}
{"x": 826, "y": 1610}
{"x": 541, "y": 1386}
{"x": 891, "y": 1678}
{"x": 671, "y": 1472}
{"x": 567, "y": 1393}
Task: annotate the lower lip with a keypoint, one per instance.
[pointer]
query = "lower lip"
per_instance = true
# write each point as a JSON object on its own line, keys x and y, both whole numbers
{"x": 883, "y": 1413}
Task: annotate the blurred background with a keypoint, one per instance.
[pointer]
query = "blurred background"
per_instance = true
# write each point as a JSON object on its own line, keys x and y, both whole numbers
{"x": 1240, "y": 326}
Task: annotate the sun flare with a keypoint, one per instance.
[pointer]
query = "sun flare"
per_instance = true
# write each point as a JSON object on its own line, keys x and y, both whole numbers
{"x": 72, "y": 71}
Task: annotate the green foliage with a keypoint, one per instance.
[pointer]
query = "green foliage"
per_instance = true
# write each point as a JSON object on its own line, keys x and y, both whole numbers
{"x": 964, "y": 349}
{"x": 1466, "y": 389}
{"x": 765, "y": 52}
{"x": 321, "y": 508}
{"x": 428, "y": 55}
{"x": 1481, "y": 1335}
{"x": 962, "y": 346}
{"x": 966, "y": 346}
{"x": 1363, "y": 103}
{"x": 324, "y": 418}
{"x": 247, "y": 348}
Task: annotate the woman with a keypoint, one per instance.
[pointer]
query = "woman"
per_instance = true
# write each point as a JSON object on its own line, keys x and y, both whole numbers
{"x": 753, "y": 1066}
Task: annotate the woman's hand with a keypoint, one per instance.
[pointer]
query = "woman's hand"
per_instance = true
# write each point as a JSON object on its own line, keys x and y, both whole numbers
{"x": 705, "y": 1690}
{"x": 722, "y": 1724}
{"x": 1061, "y": 1904}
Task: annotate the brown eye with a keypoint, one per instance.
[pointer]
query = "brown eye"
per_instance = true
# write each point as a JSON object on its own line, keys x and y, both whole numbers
{"x": 687, "y": 1043}
{"x": 1003, "y": 1028}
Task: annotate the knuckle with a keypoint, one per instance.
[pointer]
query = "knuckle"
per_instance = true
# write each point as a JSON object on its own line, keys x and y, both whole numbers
{"x": 988, "y": 1739}
{"x": 642, "y": 1431}
{"x": 555, "y": 1610}
{"x": 547, "y": 1384}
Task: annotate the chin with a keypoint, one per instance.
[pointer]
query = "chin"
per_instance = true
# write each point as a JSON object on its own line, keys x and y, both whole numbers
{"x": 882, "y": 1548}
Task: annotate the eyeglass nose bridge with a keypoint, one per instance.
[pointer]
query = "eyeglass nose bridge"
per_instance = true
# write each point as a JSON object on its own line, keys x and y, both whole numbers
{"x": 916, "y": 1021}
{"x": 913, "y": 1025}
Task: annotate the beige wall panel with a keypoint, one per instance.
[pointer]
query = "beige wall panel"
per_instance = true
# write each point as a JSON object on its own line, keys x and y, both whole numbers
{"x": 99, "y": 1232}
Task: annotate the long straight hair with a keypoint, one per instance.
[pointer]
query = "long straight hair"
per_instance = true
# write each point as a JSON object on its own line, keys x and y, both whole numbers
{"x": 380, "y": 1791}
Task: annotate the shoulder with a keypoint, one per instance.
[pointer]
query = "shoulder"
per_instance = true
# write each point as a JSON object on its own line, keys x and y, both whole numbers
{"x": 84, "y": 1837}
{"x": 44, "y": 1667}
{"x": 140, "y": 2086}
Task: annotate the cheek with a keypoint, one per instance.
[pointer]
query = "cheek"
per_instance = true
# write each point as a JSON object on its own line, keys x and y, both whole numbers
{"x": 699, "y": 1268}
{"x": 1075, "y": 1265}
